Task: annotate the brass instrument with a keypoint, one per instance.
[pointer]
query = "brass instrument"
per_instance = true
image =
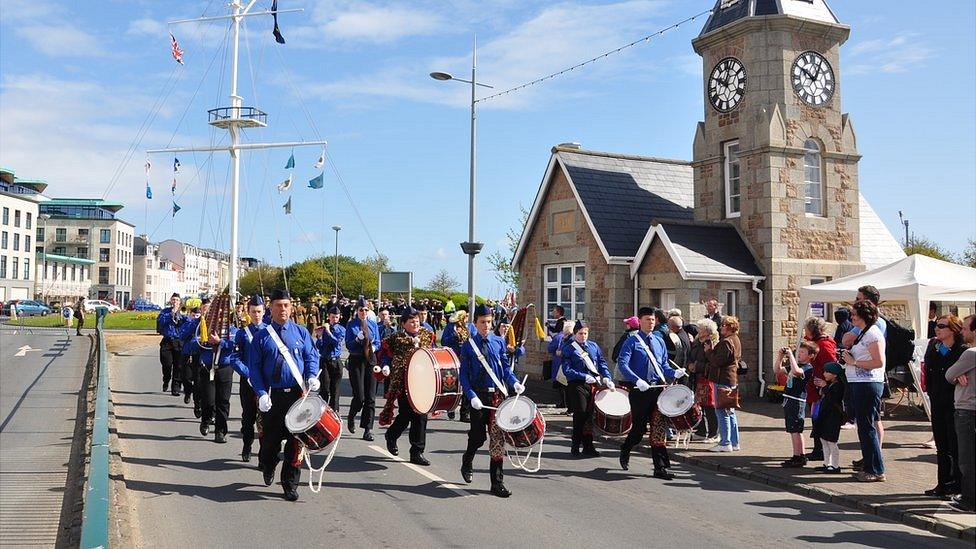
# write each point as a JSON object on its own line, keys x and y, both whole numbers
{"x": 216, "y": 319}
{"x": 460, "y": 320}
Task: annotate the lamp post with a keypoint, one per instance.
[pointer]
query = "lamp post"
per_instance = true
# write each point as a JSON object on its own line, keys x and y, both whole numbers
{"x": 44, "y": 217}
{"x": 336, "y": 228}
{"x": 470, "y": 248}
{"x": 904, "y": 221}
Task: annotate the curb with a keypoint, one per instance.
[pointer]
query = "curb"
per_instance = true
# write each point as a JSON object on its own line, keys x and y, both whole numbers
{"x": 908, "y": 518}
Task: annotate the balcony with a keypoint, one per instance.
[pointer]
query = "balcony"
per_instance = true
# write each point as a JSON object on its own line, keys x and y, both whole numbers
{"x": 242, "y": 117}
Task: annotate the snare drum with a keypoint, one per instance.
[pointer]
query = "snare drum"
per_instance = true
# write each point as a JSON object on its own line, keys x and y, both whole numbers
{"x": 520, "y": 421}
{"x": 433, "y": 380}
{"x": 677, "y": 402}
{"x": 313, "y": 423}
{"x": 611, "y": 412}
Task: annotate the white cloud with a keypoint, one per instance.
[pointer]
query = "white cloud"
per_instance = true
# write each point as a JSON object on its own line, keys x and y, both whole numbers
{"x": 146, "y": 26}
{"x": 903, "y": 52}
{"x": 61, "y": 40}
{"x": 362, "y": 22}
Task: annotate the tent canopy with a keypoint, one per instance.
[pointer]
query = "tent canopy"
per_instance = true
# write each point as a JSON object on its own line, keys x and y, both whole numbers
{"x": 917, "y": 279}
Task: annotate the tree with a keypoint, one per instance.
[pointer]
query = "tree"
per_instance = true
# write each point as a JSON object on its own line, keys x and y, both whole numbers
{"x": 443, "y": 282}
{"x": 923, "y": 246}
{"x": 261, "y": 280}
{"x": 968, "y": 255}
{"x": 501, "y": 262}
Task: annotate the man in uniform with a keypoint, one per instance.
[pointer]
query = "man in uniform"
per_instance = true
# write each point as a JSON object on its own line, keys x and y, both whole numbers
{"x": 362, "y": 346}
{"x": 170, "y": 347}
{"x": 216, "y": 382}
{"x": 643, "y": 362}
{"x": 485, "y": 377}
{"x": 455, "y": 335}
{"x": 191, "y": 357}
{"x": 329, "y": 338}
{"x": 283, "y": 362}
{"x": 249, "y": 401}
{"x": 386, "y": 327}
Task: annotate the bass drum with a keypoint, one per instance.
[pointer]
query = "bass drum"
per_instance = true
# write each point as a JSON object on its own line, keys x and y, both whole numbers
{"x": 433, "y": 380}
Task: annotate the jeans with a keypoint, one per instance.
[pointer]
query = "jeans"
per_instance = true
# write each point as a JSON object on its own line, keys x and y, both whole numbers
{"x": 966, "y": 433}
{"x": 867, "y": 403}
{"x": 728, "y": 424}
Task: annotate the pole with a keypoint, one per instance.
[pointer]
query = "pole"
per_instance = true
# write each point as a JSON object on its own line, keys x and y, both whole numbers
{"x": 474, "y": 159}
{"x": 235, "y": 102}
{"x": 335, "y": 276}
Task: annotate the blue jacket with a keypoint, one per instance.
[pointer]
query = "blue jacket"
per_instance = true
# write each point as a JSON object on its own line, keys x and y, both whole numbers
{"x": 243, "y": 343}
{"x": 573, "y": 366}
{"x": 267, "y": 367}
{"x": 168, "y": 324}
{"x": 353, "y": 329}
{"x": 228, "y": 350}
{"x": 188, "y": 334}
{"x": 473, "y": 375}
{"x": 449, "y": 337}
{"x": 633, "y": 363}
{"x": 428, "y": 327}
{"x": 330, "y": 346}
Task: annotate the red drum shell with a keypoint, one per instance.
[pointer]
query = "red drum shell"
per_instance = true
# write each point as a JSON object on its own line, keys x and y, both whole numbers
{"x": 527, "y": 436}
{"x": 688, "y": 420}
{"x": 320, "y": 434}
{"x": 433, "y": 380}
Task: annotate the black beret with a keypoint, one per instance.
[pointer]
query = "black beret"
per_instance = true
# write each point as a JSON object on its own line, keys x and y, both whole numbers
{"x": 279, "y": 293}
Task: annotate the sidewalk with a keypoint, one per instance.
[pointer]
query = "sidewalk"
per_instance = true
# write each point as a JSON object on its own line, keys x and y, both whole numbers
{"x": 910, "y": 466}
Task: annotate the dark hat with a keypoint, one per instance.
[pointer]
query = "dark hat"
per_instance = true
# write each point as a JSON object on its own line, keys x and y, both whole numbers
{"x": 255, "y": 301}
{"x": 504, "y": 320}
{"x": 407, "y": 314}
{"x": 834, "y": 368}
{"x": 334, "y": 310}
{"x": 361, "y": 302}
{"x": 421, "y": 307}
{"x": 204, "y": 301}
{"x": 195, "y": 310}
{"x": 279, "y": 293}
{"x": 176, "y": 295}
{"x": 482, "y": 310}
{"x": 579, "y": 326}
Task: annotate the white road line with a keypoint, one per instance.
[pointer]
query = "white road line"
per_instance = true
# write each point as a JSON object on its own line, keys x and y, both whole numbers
{"x": 424, "y": 472}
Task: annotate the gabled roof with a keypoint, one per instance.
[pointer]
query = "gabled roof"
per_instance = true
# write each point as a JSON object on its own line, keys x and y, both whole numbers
{"x": 727, "y": 12}
{"x": 878, "y": 246}
{"x": 702, "y": 251}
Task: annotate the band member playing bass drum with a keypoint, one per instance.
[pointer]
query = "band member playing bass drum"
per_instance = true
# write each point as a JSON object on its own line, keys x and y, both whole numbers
{"x": 486, "y": 376}
{"x": 585, "y": 368}
{"x": 281, "y": 357}
{"x": 362, "y": 342}
{"x": 249, "y": 401}
{"x": 328, "y": 340}
{"x": 643, "y": 361}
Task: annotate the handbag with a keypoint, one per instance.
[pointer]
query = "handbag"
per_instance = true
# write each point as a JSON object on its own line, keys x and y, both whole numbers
{"x": 728, "y": 397}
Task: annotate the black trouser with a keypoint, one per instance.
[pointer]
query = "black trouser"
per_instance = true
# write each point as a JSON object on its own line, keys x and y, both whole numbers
{"x": 81, "y": 324}
{"x": 249, "y": 412}
{"x": 363, "y": 390}
{"x": 946, "y": 445}
{"x": 578, "y": 399}
{"x": 642, "y": 405}
{"x": 330, "y": 375}
{"x": 418, "y": 426}
{"x": 191, "y": 367}
{"x": 708, "y": 426}
{"x": 171, "y": 360}
{"x": 216, "y": 397}
{"x": 275, "y": 432}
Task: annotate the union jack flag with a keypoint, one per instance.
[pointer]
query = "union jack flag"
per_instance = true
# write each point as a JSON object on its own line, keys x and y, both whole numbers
{"x": 177, "y": 52}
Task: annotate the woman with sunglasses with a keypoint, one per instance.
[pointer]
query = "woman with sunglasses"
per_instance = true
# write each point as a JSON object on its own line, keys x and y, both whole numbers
{"x": 942, "y": 352}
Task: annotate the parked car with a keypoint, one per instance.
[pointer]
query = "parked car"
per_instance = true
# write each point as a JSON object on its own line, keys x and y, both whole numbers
{"x": 92, "y": 304}
{"x": 141, "y": 304}
{"x": 28, "y": 307}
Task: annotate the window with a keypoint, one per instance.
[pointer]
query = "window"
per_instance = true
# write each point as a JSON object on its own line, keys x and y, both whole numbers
{"x": 60, "y": 250}
{"x": 105, "y": 236}
{"x": 6, "y": 216}
{"x": 16, "y": 242}
{"x": 27, "y": 243}
{"x": 103, "y": 275}
{"x": 731, "y": 303}
{"x": 733, "y": 194}
{"x": 82, "y": 252}
{"x": 812, "y": 178}
{"x": 40, "y": 234}
{"x": 26, "y": 268}
{"x": 821, "y": 309}
{"x": 3, "y": 265}
{"x": 83, "y": 233}
{"x": 103, "y": 254}
{"x": 3, "y": 240}
{"x": 15, "y": 264}
{"x": 60, "y": 235}
{"x": 148, "y": 280}
{"x": 16, "y": 218}
{"x": 29, "y": 220}
{"x": 566, "y": 285}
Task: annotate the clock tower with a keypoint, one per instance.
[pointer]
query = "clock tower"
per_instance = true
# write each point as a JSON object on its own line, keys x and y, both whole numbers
{"x": 775, "y": 155}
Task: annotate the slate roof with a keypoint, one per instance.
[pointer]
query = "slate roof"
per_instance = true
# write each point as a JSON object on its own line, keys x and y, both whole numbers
{"x": 623, "y": 194}
{"x": 710, "y": 249}
{"x": 735, "y": 10}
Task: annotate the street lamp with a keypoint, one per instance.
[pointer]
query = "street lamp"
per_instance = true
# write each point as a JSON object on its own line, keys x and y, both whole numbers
{"x": 336, "y": 228}
{"x": 470, "y": 248}
{"x": 44, "y": 217}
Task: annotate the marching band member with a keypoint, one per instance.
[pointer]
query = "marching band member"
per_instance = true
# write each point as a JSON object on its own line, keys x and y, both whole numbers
{"x": 455, "y": 334}
{"x": 216, "y": 382}
{"x": 191, "y": 357}
{"x": 361, "y": 347}
{"x": 387, "y": 329}
{"x": 170, "y": 347}
{"x": 328, "y": 340}
{"x": 422, "y": 311}
{"x": 486, "y": 376}
{"x": 249, "y": 401}
{"x": 279, "y": 352}
{"x": 643, "y": 361}
{"x": 585, "y": 368}
{"x": 395, "y": 354}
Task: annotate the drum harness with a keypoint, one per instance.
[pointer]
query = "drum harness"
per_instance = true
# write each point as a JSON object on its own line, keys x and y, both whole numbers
{"x": 651, "y": 357}
{"x": 295, "y": 373}
{"x": 585, "y": 357}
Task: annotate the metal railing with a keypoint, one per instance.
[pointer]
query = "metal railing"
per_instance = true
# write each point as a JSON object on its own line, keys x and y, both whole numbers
{"x": 237, "y": 113}
{"x": 94, "y": 522}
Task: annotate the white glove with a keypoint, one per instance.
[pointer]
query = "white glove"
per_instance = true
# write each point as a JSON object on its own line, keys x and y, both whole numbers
{"x": 519, "y": 388}
{"x": 680, "y": 373}
{"x": 476, "y": 403}
{"x": 313, "y": 384}
{"x": 590, "y": 380}
{"x": 642, "y": 385}
{"x": 361, "y": 336}
{"x": 385, "y": 370}
{"x": 548, "y": 339}
{"x": 609, "y": 384}
{"x": 264, "y": 403}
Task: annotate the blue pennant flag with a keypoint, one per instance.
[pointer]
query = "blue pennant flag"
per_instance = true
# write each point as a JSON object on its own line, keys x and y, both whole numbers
{"x": 291, "y": 162}
{"x": 176, "y": 208}
{"x": 176, "y": 164}
{"x": 148, "y": 192}
{"x": 277, "y": 32}
{"x": 317, "y": 181}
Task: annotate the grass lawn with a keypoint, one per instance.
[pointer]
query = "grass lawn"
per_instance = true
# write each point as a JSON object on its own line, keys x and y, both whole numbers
{"x": 127, "y": 320}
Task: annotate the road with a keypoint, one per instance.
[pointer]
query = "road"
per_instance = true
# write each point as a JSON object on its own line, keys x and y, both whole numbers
{"x": 184, "y": 490}
{"x": 39, "y": 397}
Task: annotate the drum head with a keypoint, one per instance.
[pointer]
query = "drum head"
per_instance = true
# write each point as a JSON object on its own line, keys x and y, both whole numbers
{"x": 513, "y": 416}
{"x": 613, "y": 403}
{"x": 304, "y": 413}
{"x": 421, "y": 380}
{"x": 675, "y": 400}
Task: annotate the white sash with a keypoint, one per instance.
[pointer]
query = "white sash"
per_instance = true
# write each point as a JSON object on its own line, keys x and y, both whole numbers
{"x": 586, "y": 359}
{"x": 484, "y": 362}
{"x": 650, "y": 354}
{"x": 247, "y": 332}
{"x": 286, "y": 354}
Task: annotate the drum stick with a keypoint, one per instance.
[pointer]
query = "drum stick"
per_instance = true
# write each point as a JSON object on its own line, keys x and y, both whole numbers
{"x": 524, "y": 379}
{"x": 488, "y": 407}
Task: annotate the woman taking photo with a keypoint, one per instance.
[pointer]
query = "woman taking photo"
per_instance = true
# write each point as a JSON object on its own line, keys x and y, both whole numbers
{"x": 864, "y": 366}
{"x": 942, "y": 352}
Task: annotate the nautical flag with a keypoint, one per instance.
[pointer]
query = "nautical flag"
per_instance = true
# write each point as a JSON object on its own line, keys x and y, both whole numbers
{"x": 176, "y": 164}
{"x": 291, "y": 162}
{"x": 173, "y": 188}
{"x": 287, "y": 206}
{"x": 321, "y": 161}
{"x": 176, "y": 208}
{"x": 177, "y": 52}
{"x": 274, "y": 14}
{"x": 285, "y": 185}
{"x": 148, "y": 165}
{"x": 316, "y": 182}
{"x": 148, "y": 191}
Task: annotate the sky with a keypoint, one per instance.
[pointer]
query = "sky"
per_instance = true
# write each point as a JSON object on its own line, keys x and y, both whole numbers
{"x": 87, "y": 87}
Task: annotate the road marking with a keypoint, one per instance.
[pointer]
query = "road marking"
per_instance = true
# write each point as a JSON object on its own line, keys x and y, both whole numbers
{"x": 23, "y": 350}
{"x": 424, "y": 472}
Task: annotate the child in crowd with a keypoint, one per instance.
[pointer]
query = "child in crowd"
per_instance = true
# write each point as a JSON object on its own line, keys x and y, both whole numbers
{"x": 830, "y": 415}
{"x": 799, "y": 370}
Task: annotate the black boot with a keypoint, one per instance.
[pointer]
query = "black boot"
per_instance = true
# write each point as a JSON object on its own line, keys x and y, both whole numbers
{"x": 246, "y": 454}
{"x": 391, "y": 445}
{"x": 466, "y": 467}
{"x": 574, "y": 448}
{"x": 589, "y": 449}
{"x": 351, "y": 424}
{"x": 498, "y": 480}
{"x": 624, "y": 458}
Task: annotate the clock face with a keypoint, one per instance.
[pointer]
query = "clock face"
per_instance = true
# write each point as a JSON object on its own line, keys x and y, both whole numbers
{"x": 727, "y": 84}
{"x": 813, "y": 79}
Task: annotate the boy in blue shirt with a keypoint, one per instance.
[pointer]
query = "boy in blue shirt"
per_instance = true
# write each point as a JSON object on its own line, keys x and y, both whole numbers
{"x": 799, "y": 370}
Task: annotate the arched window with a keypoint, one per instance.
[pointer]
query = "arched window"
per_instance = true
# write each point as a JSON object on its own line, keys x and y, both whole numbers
{"x": 813, "y": 178}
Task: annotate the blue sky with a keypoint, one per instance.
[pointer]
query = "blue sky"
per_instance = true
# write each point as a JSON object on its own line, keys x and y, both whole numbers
{"x": 80, "y": 79}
